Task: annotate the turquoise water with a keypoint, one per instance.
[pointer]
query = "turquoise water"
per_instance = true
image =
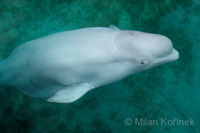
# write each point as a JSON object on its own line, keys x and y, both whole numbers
{"x": 169, "y": 91}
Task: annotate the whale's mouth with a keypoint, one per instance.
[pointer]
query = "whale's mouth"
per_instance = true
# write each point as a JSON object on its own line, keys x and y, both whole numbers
{"x": 173, "y": 55}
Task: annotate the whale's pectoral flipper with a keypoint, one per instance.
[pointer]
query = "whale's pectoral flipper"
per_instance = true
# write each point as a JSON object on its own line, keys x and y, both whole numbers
{"x": 70, "y": 93}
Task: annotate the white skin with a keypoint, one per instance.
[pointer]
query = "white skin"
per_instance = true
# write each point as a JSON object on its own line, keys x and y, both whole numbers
{"x": 80, "y": 60}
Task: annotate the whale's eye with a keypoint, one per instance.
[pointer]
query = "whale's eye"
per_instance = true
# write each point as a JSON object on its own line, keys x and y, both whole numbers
{"x": 131, "y": 33}
{"x": 142, "y": 62}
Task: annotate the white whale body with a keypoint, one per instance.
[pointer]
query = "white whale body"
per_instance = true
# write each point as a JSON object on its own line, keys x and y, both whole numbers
{"x": 62, "y": 67}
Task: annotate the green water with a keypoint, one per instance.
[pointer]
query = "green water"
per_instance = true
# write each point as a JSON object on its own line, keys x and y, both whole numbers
{"x": 169, "y": 91}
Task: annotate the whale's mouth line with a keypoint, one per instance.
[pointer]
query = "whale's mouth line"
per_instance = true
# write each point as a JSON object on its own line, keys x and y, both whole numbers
{"x": 174, "y": 55}
{"x": 167, "y": 53}
{"x": 171, "y": 56}
{"x": 170, "y": 52}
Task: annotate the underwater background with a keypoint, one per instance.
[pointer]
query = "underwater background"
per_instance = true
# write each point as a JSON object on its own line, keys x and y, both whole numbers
{"x": 169, "y": 91}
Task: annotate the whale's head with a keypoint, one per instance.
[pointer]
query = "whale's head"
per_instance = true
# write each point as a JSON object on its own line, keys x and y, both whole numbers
{"x": 145, "y": 50}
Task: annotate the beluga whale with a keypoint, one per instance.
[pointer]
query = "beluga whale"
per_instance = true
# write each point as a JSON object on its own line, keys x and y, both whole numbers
{"x": 64, "y": 66}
